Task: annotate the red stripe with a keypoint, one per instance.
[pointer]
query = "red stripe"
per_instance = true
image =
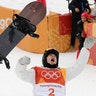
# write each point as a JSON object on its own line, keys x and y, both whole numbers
{"x": 43, "y": 2}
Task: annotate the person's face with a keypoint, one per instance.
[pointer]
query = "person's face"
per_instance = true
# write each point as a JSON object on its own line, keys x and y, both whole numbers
{"x": 51, "y": 59}
{"x": 83, "y": 19}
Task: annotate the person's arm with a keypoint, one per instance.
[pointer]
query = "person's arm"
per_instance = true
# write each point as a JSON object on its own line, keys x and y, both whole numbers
{"x": 22, "y": 72}
{"x": 74, "y": 70}
{"x": 82, "y": 59}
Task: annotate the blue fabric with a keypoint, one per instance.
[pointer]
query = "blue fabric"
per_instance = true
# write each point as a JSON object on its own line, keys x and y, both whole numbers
{"x": 82, "y": 5}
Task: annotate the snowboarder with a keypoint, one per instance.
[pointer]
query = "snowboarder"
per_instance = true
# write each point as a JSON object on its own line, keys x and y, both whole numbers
{"x": 50, "y": 80}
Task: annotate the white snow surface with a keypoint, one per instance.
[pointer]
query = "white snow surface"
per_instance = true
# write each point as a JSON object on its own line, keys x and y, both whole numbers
{"x": 10, "y": 85}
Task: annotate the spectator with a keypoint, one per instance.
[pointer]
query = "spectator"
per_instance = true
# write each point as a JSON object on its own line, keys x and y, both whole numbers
{"x": 77, "y": 7}
{"x": 80, "y": 31}
{"x": 85, "y": 17}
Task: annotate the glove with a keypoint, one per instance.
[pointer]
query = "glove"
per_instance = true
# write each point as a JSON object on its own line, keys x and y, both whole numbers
{"x": 89, "y": 42}
{"x": 25, "y": 60}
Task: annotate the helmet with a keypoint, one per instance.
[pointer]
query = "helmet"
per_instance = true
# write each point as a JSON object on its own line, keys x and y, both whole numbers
{"x": 46, "y": 53}
{"x": 85, "y": 14}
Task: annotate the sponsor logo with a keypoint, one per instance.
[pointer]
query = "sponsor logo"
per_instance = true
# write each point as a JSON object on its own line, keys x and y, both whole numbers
{"x": 4, "y": 23}
{"x": 51, "y": 74}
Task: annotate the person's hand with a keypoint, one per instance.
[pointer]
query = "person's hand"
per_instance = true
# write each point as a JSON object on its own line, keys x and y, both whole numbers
{"x": 77, "y": 10}
{"x": 25, "y": 60}
{"x": 89, "y": 42}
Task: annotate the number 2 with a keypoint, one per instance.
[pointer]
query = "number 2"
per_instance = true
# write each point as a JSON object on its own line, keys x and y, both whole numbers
{"x": 51, "y": 92}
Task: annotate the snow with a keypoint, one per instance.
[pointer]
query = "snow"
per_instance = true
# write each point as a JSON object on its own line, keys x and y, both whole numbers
{"x": 10, "y": 85}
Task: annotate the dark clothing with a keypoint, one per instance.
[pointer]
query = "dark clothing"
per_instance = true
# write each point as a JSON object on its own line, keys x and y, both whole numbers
{"x": 82, "y": 5}
{"x": 79, "y": 33}
{"x": 80, "y": 27}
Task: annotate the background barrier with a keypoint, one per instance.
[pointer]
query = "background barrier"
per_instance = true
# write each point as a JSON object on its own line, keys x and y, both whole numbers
{"x": 6, "y": 17}
{"x": 54, "y": 31}
{"x": 90, "y": 29}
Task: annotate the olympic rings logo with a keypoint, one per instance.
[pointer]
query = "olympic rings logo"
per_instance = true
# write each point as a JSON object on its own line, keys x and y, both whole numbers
{"x": 51, "y": 74}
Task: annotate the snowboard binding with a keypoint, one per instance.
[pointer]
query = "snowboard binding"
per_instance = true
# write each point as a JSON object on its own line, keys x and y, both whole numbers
{"x": 22, "y": 24}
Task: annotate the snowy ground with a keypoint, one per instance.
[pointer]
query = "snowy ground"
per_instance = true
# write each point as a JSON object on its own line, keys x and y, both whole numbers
{"x": 10, "y": 85}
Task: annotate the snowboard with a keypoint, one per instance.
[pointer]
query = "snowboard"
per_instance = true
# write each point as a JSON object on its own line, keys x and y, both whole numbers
{"x": 22, "y": 24}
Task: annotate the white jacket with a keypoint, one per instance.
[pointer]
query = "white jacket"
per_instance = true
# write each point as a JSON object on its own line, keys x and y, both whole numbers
{"x": 71, "y": 72}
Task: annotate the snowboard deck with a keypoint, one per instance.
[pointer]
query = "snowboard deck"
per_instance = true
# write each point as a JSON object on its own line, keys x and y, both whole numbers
{"x": 23, "y": 24}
